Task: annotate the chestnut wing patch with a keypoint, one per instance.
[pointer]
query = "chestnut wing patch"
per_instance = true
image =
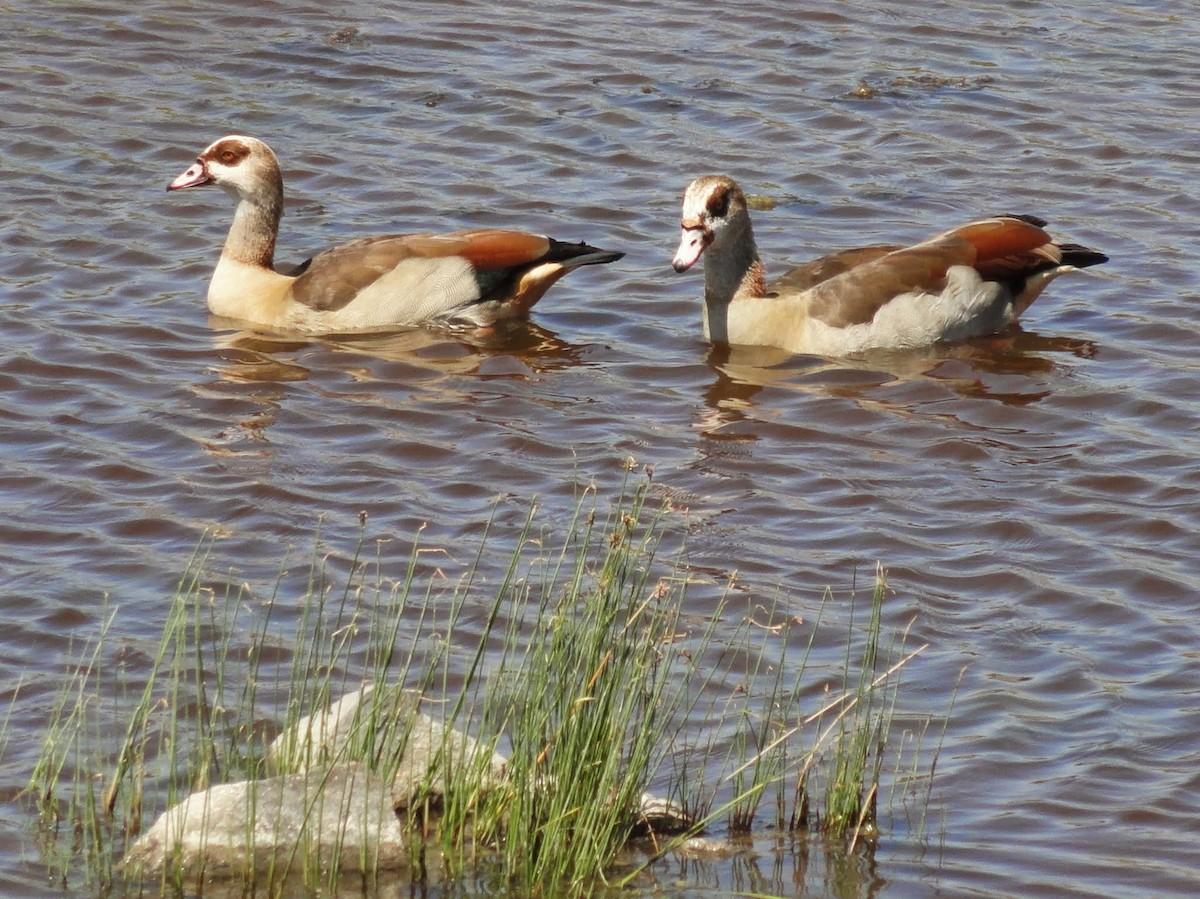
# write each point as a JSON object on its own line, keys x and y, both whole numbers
{"x": 1006, "y": 243}
{"x": 1005, "y": 235}
{"x": 489, "y": 249}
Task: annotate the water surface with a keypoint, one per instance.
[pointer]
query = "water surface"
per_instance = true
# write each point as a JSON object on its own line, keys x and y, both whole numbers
{"x": 1033, "y": 495}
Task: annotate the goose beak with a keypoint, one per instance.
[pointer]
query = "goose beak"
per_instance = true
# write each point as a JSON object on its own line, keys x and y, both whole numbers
{"x": 691, "y": 245}
{"x": 195, "y": 176}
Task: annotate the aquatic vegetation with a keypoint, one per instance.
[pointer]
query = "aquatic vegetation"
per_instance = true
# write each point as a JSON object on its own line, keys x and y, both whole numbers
{"x": 578, "y": 674}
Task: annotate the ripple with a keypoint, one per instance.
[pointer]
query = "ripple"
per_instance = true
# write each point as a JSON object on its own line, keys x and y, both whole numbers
{"x": 1032, "y": 495}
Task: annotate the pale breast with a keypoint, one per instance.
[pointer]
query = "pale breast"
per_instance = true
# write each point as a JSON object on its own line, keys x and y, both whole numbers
{"x": 248, "y": 292}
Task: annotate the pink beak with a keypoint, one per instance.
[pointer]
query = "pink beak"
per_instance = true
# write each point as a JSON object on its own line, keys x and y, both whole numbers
{"x": 195, "y": 176}
{"x": 692, "y": 243}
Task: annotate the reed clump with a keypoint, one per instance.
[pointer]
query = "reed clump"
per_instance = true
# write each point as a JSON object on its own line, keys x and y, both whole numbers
{"x": 578, "y": 675}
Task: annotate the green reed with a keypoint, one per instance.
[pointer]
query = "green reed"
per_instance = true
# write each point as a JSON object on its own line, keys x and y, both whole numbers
{"x": 585, "y": 700}
{"x": 850, "y": 728}
{"x": 580, "y": 671}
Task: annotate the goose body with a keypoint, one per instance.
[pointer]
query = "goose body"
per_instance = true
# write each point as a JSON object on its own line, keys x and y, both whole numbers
{"x": 973, "y": 280}
{"x": 471, "y": 277}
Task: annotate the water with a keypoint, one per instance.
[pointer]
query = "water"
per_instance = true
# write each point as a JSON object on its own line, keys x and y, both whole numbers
{"x": 1033, "y": 496}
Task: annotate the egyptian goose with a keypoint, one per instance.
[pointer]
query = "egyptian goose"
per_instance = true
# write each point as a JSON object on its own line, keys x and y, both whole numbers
{"x": 469, "y": 277}
{"x": 971, "y": 281}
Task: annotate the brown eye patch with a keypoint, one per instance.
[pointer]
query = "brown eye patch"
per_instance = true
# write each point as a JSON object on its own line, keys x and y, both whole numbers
{"x": 229, "y": 152}
{"x": 718, "y": 202}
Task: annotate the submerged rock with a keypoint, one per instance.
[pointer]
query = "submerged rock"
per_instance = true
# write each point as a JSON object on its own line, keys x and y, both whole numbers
{"x": 338, "y": 817}
{"x": 329, "y": 804}
{"x": 662, "y": 816}
{"x": 708, "y": 848}
{"x": 343, "y": 773}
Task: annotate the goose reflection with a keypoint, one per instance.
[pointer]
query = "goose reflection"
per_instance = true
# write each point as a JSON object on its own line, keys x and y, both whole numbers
{"x": 257, "y": 356}
{"x": 371, "y": 370}
{"x": 1007, "y": 368}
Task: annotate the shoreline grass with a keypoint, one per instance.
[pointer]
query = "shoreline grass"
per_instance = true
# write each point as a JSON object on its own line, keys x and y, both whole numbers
{"x": 579, "y": 668}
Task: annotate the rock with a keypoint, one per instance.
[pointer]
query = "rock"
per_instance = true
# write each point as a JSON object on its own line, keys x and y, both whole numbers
{"x": 329, "y": 804}
{"x": 350, "y": 729}
{"x": 385, "y": 729}
{"x": 662, "y": 816}
{"x": 340, "y": 817}
{"x": 708, "y": 848}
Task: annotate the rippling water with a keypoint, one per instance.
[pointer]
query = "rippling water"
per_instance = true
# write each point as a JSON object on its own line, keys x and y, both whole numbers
{"x": 1033, "y": 495}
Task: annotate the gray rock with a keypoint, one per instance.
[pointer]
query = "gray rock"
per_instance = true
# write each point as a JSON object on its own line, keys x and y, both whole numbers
{"x": 385, "y": 729}
{"x": 361, "y": 726}
{"x": 709, "y": 848}
{"x": 339, "y": 817}
{"x": 329, "y": 805}
{"x": 662, "y": 816}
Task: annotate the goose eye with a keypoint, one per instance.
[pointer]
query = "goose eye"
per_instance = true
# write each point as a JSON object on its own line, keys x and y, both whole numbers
{"x": 228, "y": 157}
{"x": 718, "y": 203}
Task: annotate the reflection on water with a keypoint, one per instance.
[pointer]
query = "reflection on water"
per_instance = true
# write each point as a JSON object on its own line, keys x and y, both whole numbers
{"x": 1003, "y": 368}
{"x": 772, "y": 866}
{"x": 260, "y": 356}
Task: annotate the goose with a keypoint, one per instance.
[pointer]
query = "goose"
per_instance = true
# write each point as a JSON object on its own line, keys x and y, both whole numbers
{"x": 474, "y": 278}
{"x": 971, "y": 281}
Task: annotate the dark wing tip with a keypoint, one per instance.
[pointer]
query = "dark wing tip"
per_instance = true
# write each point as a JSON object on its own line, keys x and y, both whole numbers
{"x": 1029, "y": 219}
{"x": 1081, "y": 256}
{"x": 602, "y": 256}
{"x": 563, "y": 251}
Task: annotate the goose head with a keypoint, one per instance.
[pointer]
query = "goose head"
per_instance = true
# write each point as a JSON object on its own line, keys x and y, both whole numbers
{"x": 245, "y": 168}
{"x": 714, "y": 215}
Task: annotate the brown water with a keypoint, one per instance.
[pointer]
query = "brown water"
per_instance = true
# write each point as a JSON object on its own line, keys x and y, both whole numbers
{"x": 1033, "y": 496}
